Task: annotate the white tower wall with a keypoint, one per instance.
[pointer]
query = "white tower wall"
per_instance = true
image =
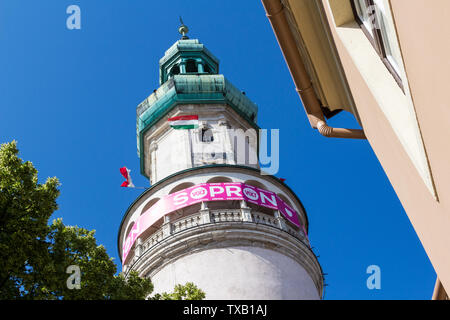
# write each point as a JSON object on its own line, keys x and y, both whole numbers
{"x": 167, "y": 151}
{"x": 241, "y": 273}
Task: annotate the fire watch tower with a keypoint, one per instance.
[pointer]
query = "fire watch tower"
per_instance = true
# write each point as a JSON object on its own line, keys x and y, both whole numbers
{"x": 210, "y": 217}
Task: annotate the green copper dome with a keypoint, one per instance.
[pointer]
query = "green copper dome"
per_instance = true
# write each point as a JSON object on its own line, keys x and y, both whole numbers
{"x": 187, "y": 56}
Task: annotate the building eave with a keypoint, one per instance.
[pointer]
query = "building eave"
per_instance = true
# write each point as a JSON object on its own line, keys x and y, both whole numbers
{"x": 298, "y": 56}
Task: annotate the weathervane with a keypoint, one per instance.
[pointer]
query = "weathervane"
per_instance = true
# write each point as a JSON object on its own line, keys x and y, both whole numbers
{"x": 183, "y": 29}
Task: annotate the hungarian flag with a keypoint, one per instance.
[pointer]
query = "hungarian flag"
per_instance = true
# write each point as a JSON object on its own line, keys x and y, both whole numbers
{"x": 126, "y": 174}
{"x": 184, "y": 122}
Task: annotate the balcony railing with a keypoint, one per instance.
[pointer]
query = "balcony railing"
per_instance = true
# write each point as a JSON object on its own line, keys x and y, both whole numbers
{"x": 216, "y": 216}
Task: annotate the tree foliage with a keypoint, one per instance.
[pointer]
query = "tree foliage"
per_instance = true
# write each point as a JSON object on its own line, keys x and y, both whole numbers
{"x": 35, "y": 255}
{"x": 189, "y": 291}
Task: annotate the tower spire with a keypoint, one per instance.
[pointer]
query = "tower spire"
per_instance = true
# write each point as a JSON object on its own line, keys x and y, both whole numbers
{"x": 183, "y": 30}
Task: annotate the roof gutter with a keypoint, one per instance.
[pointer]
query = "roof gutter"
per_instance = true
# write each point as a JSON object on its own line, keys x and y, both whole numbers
{"x": 275, "y": 13}
{"x": 439, "y": 291}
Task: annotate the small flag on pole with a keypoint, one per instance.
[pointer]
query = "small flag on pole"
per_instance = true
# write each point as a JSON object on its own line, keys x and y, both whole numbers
{"x": 126, "y": 174}
{"x": 184, "y": 122}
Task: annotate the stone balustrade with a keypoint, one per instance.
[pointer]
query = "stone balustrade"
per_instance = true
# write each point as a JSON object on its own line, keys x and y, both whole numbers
{"x": 206, "y": 216}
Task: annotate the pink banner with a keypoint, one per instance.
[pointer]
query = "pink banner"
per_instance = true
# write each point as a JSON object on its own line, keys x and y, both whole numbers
{"x": 207, "y": 192}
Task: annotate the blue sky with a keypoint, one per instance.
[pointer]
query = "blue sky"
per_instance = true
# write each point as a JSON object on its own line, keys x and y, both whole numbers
{"x": 69, "y": 98}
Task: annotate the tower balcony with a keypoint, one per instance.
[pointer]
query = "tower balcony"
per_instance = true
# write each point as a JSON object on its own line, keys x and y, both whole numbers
{"x": 208, "y": 240}
{"x": 227, "y": 229}
{"x": 206, "y": 220}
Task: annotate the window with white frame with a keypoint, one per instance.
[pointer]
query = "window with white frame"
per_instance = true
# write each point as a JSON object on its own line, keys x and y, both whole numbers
{"x": 376, "y": 53}
{"x": 376, "y": 21}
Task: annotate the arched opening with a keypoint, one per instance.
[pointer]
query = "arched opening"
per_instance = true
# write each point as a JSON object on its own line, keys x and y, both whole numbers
{"x": 131, "y": 249}
{"x": 256, "y": 184}
{"x": 247, "y": 150}
{"x": 181, "y": 186}
{"x": 206, "y": 135}
{"x": 219, "y": 180}
{"x": 149, "y": 204}
{"x": 184, "y": 212}
{"x": 179, "y": 216}
{"x": 227, "y": 204}
{"x": 129, "y": 230}
{"x": 191, "y": 66}
{"x": 261, "y": 209}
{"x": 206, "y": 68}
{"x": 175, "y": 70}
{"x": 286, "y": 200}
{"x": 151, "y": 230}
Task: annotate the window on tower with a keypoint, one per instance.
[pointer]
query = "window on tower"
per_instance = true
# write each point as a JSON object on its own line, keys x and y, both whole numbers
{"x": 207, "y": 135}
{"x": 181, "y": 186}
{"x": 219, "y": 180}
{"x": 191, "y": 66}
{"x": 175, "y": 70}
{"x": 149, "y": 205}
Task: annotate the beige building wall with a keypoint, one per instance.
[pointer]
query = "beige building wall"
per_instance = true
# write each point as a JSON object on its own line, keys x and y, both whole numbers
{"x": 409, "y": 130}
{"x": 420, "y": 29}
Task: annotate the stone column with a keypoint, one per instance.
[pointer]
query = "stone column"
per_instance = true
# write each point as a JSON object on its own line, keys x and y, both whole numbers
{"x": 205, "y": 214}
{"x": 246, "y": 212}
{"x": 166, "y": 227}
{"x": 200, "y": 66}
{"x": 226, "y": 142}
{"x": 280, "y": 220}
{"x": 183, "y": 66}
{"x": 138, "y": 249}
{"x": 153, "y": 148}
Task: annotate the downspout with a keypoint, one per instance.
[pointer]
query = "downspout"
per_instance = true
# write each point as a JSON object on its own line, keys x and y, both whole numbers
{"x": 274, "y": 11}
{"x": 439, "y": 291}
